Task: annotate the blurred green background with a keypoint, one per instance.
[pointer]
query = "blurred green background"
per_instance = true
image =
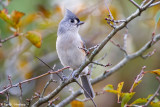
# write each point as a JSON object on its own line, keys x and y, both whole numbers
{"x": 17, "y": 55}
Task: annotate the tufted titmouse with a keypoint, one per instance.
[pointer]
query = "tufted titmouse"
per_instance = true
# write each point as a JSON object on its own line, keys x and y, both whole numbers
{"x": 69, "y": 48}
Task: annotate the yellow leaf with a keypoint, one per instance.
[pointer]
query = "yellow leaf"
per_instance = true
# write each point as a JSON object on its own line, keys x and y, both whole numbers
{"x": 77, "y": 104}
{"x": 109, "y": 88}
{"x": 157, "y": 72}
{"x": 119, "y": 89}
{"x": 13, "y": 20}
{"x": 34, "y": 37}
{"x": 135, "y": 84}
{"x": 4, "y": 16}
{"x": 140, "y": 100}
{"x": 28, "y": 19}
{"x": 155, "y": 104}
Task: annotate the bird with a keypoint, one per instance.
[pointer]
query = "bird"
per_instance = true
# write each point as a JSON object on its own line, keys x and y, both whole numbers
{"x": 70, "y": 48}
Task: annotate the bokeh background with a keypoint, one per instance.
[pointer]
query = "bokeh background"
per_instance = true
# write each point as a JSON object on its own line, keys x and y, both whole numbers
{"x": 17, "y": 55}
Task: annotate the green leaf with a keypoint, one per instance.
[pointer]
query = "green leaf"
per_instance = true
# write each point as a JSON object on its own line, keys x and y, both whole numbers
{"x": 109, "y": 88}
{"x": 126, "y": 97}
{"x": 135, "y": 85}
{"x": 157, "y": 17}
{"x": 141, "y": 100}
{"x": 34, "y": 37}
{"x": 4, "y": 16}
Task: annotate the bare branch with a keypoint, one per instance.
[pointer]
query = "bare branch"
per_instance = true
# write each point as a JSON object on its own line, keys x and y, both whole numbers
{"x": 34, "y": 78}
{"x": 110, "y": 14}
{"x": 49, "y": 67}
{"x": 152, "y": 97}
{"x": 101, "y": 64}
{"x": 149, "y": 54}
{"x": 133, "y": 2}
{"x": 153, "y": 4}
{"x": 8, "y": 38}
{"x": 121, "y": 48}
{"x": 45, "y": 87}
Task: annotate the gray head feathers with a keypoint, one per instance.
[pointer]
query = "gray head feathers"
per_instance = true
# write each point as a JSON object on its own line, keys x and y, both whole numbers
{"x": 69, "y": 14}
{"x": 70, "y": 23}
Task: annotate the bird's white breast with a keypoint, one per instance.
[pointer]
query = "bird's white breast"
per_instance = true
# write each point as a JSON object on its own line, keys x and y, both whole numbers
{"x": 68, "y": 50}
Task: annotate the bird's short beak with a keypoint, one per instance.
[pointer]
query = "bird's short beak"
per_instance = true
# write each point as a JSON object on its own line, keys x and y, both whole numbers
{"x": 80, "y": 23}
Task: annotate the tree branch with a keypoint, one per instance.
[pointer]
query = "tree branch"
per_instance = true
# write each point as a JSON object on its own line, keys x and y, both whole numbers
{"x": 96, "y": 51}
{"x": 152, "y": 97}
{"x": 34, "y": 78}
{"x": 133, "y": 2}
{"x": 112, "y": 70}
{"x": 153, "y": 4}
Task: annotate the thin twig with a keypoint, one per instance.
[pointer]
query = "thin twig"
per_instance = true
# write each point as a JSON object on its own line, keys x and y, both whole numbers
{"x": 142, "y": 4}
{"x": 49, "y": 67}
{"x": 110, "y": 14}
{"x": 153, "y": 4}
{"x": 101, "y": 64}
{"x": 45, "y": 87}
{"x": 152, "y": 97}
{"x": 34, "y": 78}
{"x": 133, "y": 2}
{"x": 149, "y": 54}
{"x": 86, "y": 92}
{"x": 8, "y": 38}
{"x": 138, "y": 78}
{"x": 121, "y": 48}
{"x": 52, "y": 101}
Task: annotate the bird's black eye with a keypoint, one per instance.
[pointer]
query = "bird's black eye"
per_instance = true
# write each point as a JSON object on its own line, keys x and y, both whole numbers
{"x": 77, "y": 20}
{"x": 72, "y": 20}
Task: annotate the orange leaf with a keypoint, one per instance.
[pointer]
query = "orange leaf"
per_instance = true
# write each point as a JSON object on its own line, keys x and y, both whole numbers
{"x": 77, "y": 104}
{"x": 16, "y": 16}
{"x": 34, "y": 37}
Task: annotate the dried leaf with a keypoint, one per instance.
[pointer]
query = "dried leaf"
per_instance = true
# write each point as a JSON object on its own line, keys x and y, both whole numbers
{"x": 34, "y": 37}
{"x": 77, "y": 104}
